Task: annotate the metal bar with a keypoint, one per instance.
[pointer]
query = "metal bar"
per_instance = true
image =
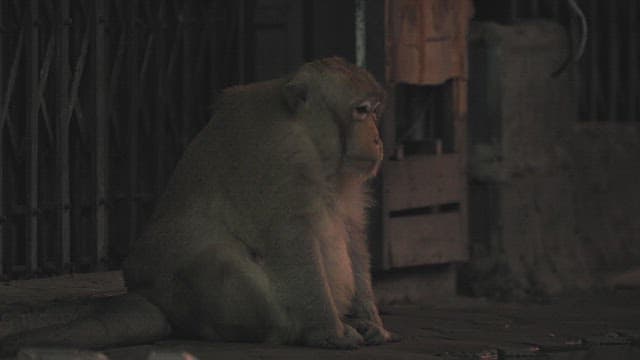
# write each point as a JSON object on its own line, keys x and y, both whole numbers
{"x": 241, "y": 42}
{"x": 161, "y": 99}
{"x": 171, "y": 73}
{"x": 102, "y": 136}
{"x": 594, "y": 66}
{"x": 44, "y": 78}
{"x": 13, "y": 73}
{"x": 513, "y": 10}
{"x": 361, "y": 33}
{"x": 133, "y": 77}
{"x": 33, "y": 102}
{"x": 62, "y": 131}
{"x": 116, "y": 71}
{"x": 633, "y": 62}
{"x": 613, "y": 62}
{"x": 2, "y": 153}
{"x": 187, "y": 72}
{"x": 534, "y": 8}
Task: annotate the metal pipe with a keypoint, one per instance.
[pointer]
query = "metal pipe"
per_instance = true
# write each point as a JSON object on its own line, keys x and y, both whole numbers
{"x": 361, "y": 33}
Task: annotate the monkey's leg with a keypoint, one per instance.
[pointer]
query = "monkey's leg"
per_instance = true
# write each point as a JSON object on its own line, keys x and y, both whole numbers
{"x": 229, "y": 296}
{"x": 120, "y": 320}
{"x": 295, "y": 263}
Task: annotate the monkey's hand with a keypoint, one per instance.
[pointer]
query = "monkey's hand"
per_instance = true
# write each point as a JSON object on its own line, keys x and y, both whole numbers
{"x": 348, "y": 340}
{"x": 372, "y": 332}
{"x": 366, "y": 320}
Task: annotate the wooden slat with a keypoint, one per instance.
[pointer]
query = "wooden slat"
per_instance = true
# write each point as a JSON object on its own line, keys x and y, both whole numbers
{"x": 426, "y": 239}
{"x": 63, "y": 75}
{"x": 419, "y": 181}
{"x": 33, "y": 102}
{"x": 460, "y": 105}
{"x": 102, "y": 135}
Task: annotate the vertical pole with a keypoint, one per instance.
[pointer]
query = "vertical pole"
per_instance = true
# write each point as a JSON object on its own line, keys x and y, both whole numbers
{"x": 2, "y": 154}
{"x": 361, "y": 33}
{"x": 613, "y": 57}
{"x": 188, "y": 41}
{"x": 513, "y": 10}
{"x": 161, "y": 97}
{"x": 241, "y": 41}
{"x": 535, "y": 8}
{"x": 62, "y": 131}
{"x": 33, "y": 105}
{"x": 102, "y": 137}
{"x": 632, "y": 62}
{"x": 134, "y": 87}
{"x": 594, "y": 63}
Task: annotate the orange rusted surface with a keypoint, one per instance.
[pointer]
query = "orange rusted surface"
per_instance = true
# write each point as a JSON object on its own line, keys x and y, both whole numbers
{"x": 427, "y": 40}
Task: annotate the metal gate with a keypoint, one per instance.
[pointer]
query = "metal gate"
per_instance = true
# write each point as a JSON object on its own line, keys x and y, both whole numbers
{"x": 97, "y": 100}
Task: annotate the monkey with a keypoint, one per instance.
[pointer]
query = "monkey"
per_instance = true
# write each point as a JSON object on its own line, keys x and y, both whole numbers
{"x": 260, "y": 235}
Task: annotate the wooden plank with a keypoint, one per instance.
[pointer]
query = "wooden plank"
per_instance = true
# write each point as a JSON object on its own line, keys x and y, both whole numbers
{"x": 419, "y": 181}
{"x": 426, "y": 239}
{"x": 460, "y": 105}
{"x": 63, "y": 74}
{"x": 102, "y": 136}
{"x": 33, "y": 104}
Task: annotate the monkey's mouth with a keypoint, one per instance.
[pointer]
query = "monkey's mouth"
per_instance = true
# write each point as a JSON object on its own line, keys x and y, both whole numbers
{"x": 363, "y": 166}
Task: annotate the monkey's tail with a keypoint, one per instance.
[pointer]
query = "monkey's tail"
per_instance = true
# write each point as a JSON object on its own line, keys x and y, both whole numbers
{"x": 116, "y": 321}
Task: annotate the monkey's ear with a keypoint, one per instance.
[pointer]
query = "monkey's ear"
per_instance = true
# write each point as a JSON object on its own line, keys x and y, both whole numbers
{"x": 295, "y": 94}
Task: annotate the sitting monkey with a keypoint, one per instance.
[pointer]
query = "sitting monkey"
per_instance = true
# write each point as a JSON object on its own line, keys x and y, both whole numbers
{"x": 260, "y": 234}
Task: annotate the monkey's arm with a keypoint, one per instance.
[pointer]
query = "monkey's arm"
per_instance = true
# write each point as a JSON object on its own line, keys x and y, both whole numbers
{"x": 365, "y": 317}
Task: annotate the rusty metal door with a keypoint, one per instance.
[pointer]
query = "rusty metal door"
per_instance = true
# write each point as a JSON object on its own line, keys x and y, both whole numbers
{"x": 424, "y": 177}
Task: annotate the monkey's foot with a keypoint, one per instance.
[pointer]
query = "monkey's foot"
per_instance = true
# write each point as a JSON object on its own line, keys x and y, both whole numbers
{"x": 350, "y": 339}
{"x": 373, "y": 333}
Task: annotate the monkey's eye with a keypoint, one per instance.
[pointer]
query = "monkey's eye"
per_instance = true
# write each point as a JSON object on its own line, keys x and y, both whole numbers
{"x": 363, "y": 109}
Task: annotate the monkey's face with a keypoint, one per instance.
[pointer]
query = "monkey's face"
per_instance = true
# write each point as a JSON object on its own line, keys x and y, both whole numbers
{"x": 340, "y": 105}
{"x": 363, "y": 150}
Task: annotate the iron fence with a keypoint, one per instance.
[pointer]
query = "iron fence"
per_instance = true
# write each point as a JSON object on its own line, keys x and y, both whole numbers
{"x": 97, "y": 100}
